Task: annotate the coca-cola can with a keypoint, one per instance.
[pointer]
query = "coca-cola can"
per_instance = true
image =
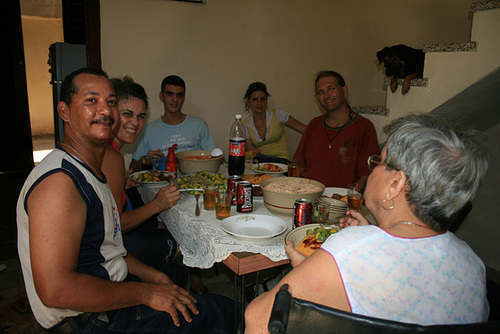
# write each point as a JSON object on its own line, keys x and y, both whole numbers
{"x": 244, "y": 199}
{"x": 231, "y": 185}
{"x": 302, "y": 212}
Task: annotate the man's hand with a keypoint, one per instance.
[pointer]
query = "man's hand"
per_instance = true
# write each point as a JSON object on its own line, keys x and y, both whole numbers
{"x": 156, "y": 154}
{"x": 172, "y": 299}
{"x": 295, "y": 255}
{"x": 167, "y": 197}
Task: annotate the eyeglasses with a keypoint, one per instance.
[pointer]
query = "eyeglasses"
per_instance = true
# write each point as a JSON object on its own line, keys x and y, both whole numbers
{"x": 375, "y": 160}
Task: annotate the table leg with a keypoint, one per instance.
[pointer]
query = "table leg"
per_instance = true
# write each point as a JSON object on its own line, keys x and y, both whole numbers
{"x": 242, "y": 327}
{"x": 236, "y": 298}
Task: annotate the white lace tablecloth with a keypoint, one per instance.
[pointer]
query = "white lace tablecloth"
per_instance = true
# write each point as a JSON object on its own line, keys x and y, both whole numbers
{"x": 201, "y": 239}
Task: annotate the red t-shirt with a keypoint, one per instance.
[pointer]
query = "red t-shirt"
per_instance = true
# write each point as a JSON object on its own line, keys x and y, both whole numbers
{"x": 347, "y": 159}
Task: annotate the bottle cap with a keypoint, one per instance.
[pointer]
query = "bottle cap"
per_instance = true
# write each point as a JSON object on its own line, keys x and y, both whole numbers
{"x": 238, "y": 116}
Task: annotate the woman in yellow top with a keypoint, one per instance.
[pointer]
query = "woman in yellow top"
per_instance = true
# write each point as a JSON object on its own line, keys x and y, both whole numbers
{"x": 266, "y": 137}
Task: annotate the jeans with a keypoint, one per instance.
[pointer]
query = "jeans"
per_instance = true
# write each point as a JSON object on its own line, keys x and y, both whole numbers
{"x": 216, "y": 315}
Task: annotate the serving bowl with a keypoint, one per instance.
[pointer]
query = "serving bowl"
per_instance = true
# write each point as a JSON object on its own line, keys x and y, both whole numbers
{"x": 282, "y": 203}
{"x": 188, "y": 166}
{"x": 297, "y": 234}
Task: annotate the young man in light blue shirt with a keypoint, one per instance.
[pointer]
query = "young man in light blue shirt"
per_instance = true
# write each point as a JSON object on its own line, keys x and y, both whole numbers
{"x": 174, "y": 127}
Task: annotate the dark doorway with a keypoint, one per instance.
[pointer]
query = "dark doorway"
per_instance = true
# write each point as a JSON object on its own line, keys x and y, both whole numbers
{"x": 81, "y": 24}
{"x": 15, "y": 136}
{"x": 81, "y": 18}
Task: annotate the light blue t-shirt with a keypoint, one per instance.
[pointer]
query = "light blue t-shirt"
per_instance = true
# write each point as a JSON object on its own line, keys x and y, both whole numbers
{"x": 192, "y": 134}
{"x": 433, "y": 280}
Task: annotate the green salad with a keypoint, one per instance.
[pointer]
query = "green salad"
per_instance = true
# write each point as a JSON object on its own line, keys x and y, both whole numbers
{"x": 321, "y": 233}
{"x": 200, "y": 179}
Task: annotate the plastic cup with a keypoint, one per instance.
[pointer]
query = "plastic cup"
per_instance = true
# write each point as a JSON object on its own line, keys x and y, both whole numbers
{"x": 320, "y": 213}
{"x": 354, "y": 197}
{"x": 147, "y": 162}
{"x": 222, "y": 203}
{"x": 294, "y": 169}
{"x": 209, "y": 197}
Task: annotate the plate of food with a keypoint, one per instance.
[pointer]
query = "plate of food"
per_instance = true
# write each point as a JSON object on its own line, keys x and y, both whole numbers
{"x": 153, "y": 178}
{"x": 307, "y": 238}
{"x": 250, "y": 226}
{"x": 273, "y": 169}
{"x": 335, "y": 196}
{"x": 199, "y": 179}
{"x": 255, "y": 180}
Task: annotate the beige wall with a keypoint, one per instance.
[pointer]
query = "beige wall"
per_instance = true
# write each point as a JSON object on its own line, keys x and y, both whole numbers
{"x": 38, "y": 34}
{"x": 221, "y": 47}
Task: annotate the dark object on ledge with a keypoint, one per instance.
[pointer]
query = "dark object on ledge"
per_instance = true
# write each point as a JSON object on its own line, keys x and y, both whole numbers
{"x": 403, "y": 62}
{"x": 291, "y": 315}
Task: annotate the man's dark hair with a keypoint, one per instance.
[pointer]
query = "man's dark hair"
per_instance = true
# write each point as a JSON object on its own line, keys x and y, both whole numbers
{"x": 325, "y": 74}
{"x": 68, "y": 88}
{"x": 173, "y": 80}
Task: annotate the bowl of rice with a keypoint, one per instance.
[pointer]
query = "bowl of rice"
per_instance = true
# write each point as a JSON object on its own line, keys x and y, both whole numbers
{"x": 280, "y": 193}
{"x": 198, "y": 161}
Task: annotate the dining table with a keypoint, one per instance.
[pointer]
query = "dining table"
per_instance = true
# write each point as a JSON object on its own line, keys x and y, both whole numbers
{"x": 203, "y": 242}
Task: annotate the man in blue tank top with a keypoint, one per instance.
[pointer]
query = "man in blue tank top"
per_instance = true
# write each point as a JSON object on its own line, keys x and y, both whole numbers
{"x": 78, "y": 275}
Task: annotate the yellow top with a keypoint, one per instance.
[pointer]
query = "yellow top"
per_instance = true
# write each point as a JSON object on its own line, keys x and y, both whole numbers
{"x": 276, "y": 141}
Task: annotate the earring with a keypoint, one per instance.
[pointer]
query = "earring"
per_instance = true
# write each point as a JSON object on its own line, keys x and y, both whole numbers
{"x": 384, "y": 203}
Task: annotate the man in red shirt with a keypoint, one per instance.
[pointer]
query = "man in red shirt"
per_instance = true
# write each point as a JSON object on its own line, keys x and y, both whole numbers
{"x": 335, "y": 147}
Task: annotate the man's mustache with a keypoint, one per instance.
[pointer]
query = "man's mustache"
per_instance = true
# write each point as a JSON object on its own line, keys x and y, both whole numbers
{"x": 104, "y": 119}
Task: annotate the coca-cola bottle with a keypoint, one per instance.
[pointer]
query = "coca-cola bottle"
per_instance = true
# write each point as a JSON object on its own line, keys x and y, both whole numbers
{"x": 236, "y": 148}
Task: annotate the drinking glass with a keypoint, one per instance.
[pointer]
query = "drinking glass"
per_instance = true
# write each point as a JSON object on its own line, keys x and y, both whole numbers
{"x": 320, "y": 212}
{"x": 294, "y": 169}
{"x": 209, "y": 197}
{"x": 147, "y": 162}
{"x": 354, "y": 197}
{"x": 222, "y": 203}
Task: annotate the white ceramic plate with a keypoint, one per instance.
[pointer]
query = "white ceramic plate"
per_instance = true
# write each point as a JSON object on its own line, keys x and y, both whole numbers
{"x": 163, "y": 183}
{"x": 260, "y": 171}
{"x": 329, "y": 191}
{"x": 249, "y": 226}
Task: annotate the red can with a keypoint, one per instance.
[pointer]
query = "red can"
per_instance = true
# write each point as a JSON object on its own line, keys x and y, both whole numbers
{"x": 231, "y": 185}
{"x": 302, "y": 212}
{"x": 244, "y": 200}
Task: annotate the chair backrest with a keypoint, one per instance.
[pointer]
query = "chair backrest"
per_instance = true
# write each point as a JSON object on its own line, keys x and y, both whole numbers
{"x": 291, "y": 315}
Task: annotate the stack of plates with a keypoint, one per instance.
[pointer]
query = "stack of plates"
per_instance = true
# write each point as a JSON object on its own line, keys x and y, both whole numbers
{"x": 337, "y": 208}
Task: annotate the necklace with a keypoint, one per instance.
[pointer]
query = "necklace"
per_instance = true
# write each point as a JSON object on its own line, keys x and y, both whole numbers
{"x": 82, "y": 158}
{"x": 407, "y": 223}
{"x": 330, "y": 141}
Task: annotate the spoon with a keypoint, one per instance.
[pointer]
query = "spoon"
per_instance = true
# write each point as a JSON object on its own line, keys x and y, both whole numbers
{"x": 197, "y": 210}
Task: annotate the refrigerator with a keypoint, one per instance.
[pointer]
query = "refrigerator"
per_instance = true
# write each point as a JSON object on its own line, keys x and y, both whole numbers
{"x": 64, "y": 58}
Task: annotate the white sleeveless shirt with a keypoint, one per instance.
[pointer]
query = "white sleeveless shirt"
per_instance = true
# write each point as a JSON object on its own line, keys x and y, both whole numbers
{"x": 434, "y": 280}
{"x": 101, "y": 250}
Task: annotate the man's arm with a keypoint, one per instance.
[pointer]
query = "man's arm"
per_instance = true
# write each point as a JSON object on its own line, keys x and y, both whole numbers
{"x": 368, "y": 146}
{"x": 206, "y": 139}
{"x": 322, "y": 286}
{"x": 57, "y": 216}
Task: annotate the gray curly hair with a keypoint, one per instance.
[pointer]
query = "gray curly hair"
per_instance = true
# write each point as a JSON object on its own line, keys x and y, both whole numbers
{"x": 444, "y": 165}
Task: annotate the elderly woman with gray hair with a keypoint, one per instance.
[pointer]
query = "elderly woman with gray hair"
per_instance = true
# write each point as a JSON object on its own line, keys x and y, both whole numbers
{"x": 409, "y": 267}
